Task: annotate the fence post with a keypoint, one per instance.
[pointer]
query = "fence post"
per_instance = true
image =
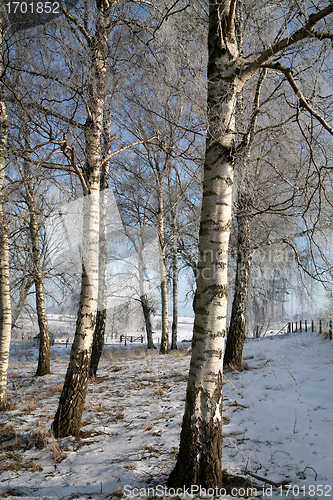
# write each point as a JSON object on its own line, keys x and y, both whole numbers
{"x": 295, "y": 326}
{"x": 300, "y": 325}
{"x": 289, "y": 327}
{"x": 306, "y": 325}
{"x": 320, "y": 326}
{"x": 330, "y": 329}
{"x": 312, "y": 325}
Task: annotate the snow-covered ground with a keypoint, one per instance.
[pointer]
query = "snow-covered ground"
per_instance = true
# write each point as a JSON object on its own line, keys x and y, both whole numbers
{"x": 278, "y": 422}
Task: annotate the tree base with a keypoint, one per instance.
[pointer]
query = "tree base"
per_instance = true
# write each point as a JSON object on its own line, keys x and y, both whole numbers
{"x": 4, "y": 406}
{"x": 230, "y": 484}
{"x": 42, "y": 371}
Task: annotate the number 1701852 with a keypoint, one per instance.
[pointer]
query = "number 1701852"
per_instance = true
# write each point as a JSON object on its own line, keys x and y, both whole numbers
{"x": 32, "y": 8}
{"x": 318, "y": 490}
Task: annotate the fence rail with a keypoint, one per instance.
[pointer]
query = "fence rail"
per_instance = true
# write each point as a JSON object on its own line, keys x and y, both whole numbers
{"x": 131, "y": 338}
{"x": 295, "y": 326}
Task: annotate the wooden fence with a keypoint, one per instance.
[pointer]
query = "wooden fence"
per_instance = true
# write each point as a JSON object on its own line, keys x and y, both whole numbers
{"x": 300, "y": 326}
{"x": 131, "y": 338}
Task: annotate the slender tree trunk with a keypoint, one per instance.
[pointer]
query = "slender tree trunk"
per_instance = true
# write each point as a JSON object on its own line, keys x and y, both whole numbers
{"x": 98, "y": 342}
{"x": 146, "y": 308}
{"x": 5, "y": 303}
{"x": 68, "y": 417}
{"x": 17, "y": 309}
{"x": 173, "y": 200}
{"x": 199, "y": 459}
{"x": 174, "y": 282}
{"x": 43, "y": 367}
{"x": 146, "y": 313}
{"x": 236, "y": 334}
{"x": 164, "y": 287}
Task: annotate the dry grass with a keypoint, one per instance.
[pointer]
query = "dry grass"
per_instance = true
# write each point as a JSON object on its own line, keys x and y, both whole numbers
{"x": 159, "y": 391}
{"x": 104, "y": 388}
{"x": 119, "y": 354}
{"x": 54, "y": 389}
{"x": 119, "y": 416}
{"x": 35, "y": 467}
{"x": 116, "y": 493}
{"x": 129, "y": 467}
{"x": 240, "y": 368}
{"x": 136, "y": 353}
{"x": 150, "y": 449}
{"x": 43, "y": 438}
{"x": 225, "y": 420}
{"x": 100, "y": 407}
{"x": 57, "y": 452}
{"x": 7, "y": 432}
{"x": 147, "y": 427}
{"x": 16, "y": 464}
{"x": 248, "y": 356}
{"x": 29, "y": 406}
{"x": 11, "y": 492}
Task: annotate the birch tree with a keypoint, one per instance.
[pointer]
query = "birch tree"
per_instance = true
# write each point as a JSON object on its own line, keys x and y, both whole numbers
{"x": 199, "y": 459}
{"x": 5, "y": 303}
{"x": 43, "y": 367}
{"x": 69, "y": 413}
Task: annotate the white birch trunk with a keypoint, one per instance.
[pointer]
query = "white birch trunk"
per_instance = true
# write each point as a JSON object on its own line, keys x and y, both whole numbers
{"x": 98, "y": 342}
{"x": 68, "y": 417}
{"x": 5, "y": 303}
{"x": 164, "y": 287}
{"x": 199, "y": 459}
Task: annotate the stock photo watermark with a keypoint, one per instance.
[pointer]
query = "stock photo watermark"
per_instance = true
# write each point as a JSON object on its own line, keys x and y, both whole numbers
{"x": 285, "y": 490}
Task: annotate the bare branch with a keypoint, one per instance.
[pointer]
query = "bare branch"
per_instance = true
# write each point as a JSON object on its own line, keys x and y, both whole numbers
{"x": 302, "y": 100}
{"x": 322, "y": 35}
{"x": 299, "y": 35}
{"x": 231, "y": 19}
